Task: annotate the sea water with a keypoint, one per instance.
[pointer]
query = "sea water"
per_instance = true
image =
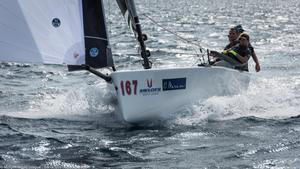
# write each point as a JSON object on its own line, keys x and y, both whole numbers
{"x": 52, "y": 118}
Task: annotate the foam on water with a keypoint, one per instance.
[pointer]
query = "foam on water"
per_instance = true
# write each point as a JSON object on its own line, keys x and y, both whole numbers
{"x": 277, "y": 97}
{"x": 266, "y": 97}
{"x": 77, "y": 103}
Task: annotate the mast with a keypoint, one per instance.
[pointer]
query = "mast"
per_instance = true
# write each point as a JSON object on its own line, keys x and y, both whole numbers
{"x": 129, "y": 12}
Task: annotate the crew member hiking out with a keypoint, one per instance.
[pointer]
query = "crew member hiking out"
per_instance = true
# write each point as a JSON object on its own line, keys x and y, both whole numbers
{"x": 234, "y": 34}
{"x": 237, "y": 56}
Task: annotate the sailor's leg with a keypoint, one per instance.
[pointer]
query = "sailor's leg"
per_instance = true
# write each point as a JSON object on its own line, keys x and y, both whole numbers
{"x": 224, "y": 64}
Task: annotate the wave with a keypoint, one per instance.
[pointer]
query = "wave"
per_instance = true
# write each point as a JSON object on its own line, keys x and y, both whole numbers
{"x": 266, "y": 98}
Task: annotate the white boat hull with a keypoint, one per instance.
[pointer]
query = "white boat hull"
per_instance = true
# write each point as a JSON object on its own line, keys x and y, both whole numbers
{"x": 150, "y": 94}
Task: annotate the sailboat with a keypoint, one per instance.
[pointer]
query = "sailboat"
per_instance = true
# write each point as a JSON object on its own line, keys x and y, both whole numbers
{"x": 73, "y": 33}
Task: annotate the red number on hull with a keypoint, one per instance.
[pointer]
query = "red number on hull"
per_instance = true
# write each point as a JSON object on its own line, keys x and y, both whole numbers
{"x": 127, "y": 87}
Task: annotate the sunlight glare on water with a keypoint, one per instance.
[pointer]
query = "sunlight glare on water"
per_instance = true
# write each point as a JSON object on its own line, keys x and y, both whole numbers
{"x": 52, "y": 118}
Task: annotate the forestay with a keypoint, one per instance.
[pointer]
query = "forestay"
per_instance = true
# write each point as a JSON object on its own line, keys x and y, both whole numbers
{"x": 54, "y": 32}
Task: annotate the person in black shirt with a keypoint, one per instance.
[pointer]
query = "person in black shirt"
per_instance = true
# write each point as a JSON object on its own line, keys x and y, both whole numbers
{"x": 233, "y": 35}
{"x": 238, "y": 55}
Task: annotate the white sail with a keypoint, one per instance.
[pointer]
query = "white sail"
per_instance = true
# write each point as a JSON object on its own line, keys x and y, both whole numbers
{"x": 42, "y": 31}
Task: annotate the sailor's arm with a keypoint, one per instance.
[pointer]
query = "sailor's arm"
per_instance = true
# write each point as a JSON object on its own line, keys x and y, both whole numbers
{"x": 242, "y": 59}
{"x": 257, "y": 66}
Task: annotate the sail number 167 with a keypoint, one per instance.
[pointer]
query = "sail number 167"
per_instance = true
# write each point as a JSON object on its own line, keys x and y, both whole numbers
{"x": 129, "y": 87}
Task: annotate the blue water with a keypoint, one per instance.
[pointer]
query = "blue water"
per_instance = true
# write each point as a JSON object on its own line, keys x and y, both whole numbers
{"x": 52, "y": 118}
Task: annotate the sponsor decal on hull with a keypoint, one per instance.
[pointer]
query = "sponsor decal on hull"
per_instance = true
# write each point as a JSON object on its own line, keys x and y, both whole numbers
{"x": 174, "y": 84}
{"x": 150, "y": 90}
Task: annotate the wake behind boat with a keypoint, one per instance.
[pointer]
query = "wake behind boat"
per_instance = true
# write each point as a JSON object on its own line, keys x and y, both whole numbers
{"x": 73, "y": 32}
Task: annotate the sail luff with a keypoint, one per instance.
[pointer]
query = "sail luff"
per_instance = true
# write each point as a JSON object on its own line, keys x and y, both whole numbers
{"x": 110, "y": 61}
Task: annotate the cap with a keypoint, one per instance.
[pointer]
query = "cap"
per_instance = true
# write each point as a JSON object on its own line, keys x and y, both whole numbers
{"x": 239, "y": 28}
{"x": 245, "y": 35}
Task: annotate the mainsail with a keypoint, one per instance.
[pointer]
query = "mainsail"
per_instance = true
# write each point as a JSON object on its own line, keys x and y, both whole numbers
{"x": 69, "y": 32}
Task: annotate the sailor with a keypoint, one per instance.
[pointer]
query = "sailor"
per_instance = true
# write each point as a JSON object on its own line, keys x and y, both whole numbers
{"x": 240, "y": 52}
{"x": 233, "y": 35}
{"x": 237, "y": 56}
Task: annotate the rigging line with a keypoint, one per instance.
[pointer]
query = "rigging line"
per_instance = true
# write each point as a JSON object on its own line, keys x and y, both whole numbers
{"x": 201, "y": 59}
{"x": 109, "y": 16}
{"x": 200, "y": 55}
{"x": 180, "y": 37}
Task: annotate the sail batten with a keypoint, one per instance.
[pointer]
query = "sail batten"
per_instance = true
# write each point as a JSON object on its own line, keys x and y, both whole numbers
{"x": 93, "y": 37}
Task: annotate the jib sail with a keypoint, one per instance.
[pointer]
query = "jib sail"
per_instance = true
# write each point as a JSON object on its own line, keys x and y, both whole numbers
{"x": 69, "y": 32}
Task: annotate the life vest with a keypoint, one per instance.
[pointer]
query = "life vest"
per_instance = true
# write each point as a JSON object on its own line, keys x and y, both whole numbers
{"x": 231, "y": 53}
{"x": 234, "y": 51}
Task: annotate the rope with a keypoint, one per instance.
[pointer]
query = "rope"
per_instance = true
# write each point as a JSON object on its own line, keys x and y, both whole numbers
{"x": 175, "y": 34}
{"x": 201, "y": 49}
